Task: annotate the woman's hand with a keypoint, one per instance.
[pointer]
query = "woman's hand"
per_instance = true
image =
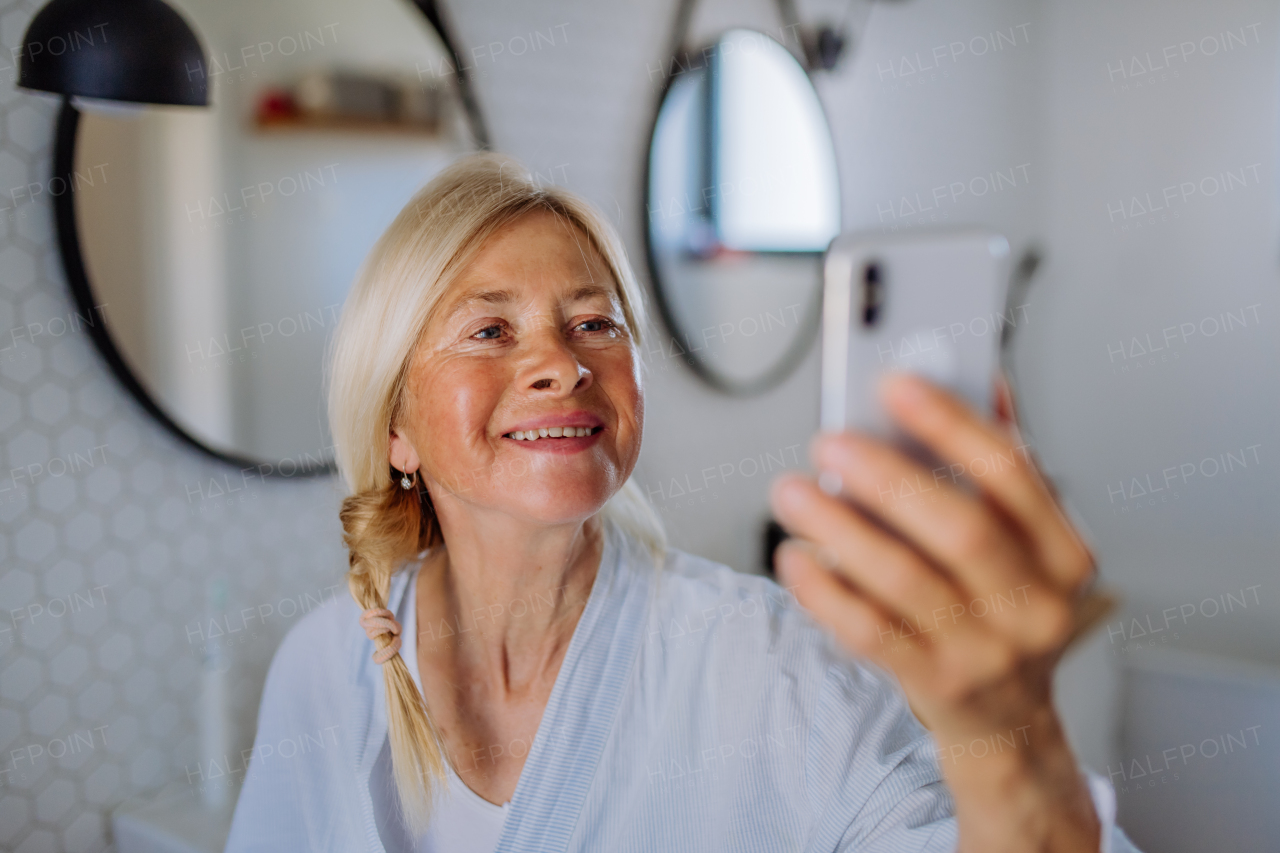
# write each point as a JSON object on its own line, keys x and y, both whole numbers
{"x": 966, "y": 581}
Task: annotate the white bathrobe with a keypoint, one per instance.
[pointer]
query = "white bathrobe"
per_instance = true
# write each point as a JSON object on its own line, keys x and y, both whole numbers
{"x": 696, "y": 709}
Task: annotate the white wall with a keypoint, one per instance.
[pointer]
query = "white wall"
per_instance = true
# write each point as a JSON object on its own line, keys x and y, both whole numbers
{"x": 1122, "y": 120}
{"x": 1192, "y": 263}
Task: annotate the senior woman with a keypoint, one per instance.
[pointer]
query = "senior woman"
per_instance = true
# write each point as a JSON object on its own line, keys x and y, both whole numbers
{"x": 554, "y": 678}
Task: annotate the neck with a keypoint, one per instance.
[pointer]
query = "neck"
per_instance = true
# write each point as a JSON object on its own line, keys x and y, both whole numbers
{"x": 502, "y": 598}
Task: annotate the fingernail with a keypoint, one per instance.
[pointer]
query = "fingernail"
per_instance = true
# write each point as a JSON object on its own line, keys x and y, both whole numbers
{"x": 830, "y": 482}
{"x": 788, "y": 492}
{"x": 907, "y": 387}
{"x": 836, "y": 450}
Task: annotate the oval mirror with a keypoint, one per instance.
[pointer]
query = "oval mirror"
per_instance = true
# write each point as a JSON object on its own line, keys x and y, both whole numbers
{"x": 219, "y": 243}
{"x": 743, "y": 198}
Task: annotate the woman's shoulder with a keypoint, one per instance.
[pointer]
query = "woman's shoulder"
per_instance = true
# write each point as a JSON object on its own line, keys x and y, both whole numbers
{"x": 689, "y": 583}
{"x": 701, "y": 599}
{"x": 730, "y": 613}
{"x": 709, "y": 577}
{"x": 314, "y": 648}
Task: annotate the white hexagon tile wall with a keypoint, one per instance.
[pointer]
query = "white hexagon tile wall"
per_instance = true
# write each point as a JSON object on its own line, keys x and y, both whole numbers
{"x": 108, "y": 543}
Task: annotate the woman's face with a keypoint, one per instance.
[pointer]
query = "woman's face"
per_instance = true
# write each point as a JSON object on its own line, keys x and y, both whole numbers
{"x": 530, "y": 340}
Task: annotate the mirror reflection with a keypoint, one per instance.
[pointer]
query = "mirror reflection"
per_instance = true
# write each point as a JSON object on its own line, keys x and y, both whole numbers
{"x": 223, "y": 242}
{"x": 743, "y": 198}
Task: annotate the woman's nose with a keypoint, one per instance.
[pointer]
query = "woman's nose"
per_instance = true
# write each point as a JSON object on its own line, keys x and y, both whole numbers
{"x": 553, "y": 366}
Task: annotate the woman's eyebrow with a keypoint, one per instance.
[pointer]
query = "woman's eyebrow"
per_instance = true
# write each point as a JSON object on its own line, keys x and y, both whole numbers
{"x": 491, "y": 297}
{"x": 507, "y": 297}
{"x": 589, "y": 291}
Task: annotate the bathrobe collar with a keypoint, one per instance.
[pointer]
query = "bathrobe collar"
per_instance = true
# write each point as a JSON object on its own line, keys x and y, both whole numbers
{"x": 580, "y": 712}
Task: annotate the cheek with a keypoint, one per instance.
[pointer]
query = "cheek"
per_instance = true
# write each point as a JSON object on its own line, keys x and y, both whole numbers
{"x": 453, "y": 405}
{"x": 620, "y": 379}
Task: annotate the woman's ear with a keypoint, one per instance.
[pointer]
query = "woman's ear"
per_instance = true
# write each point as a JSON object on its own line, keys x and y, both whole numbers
{"x": 401, "y": 454}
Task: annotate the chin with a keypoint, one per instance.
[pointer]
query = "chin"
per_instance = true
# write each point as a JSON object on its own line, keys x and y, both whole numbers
{"x": 554, "y": 503}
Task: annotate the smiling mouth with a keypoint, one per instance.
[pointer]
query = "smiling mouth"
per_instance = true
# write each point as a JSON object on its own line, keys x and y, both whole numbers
{"x": 552, "y": 432}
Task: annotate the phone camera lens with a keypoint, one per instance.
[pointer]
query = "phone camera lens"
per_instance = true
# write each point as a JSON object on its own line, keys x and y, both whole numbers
{"x": 872, "y": 294}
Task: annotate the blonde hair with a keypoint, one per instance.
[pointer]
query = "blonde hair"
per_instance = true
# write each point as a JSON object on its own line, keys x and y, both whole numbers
{"x": 404, "y": 278}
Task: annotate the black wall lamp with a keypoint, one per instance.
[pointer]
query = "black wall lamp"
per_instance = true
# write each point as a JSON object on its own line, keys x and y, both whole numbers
{"x": 120, "y": 50}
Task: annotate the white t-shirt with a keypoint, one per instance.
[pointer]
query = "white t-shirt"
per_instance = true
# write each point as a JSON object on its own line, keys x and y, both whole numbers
{"x": 462, "y": 820}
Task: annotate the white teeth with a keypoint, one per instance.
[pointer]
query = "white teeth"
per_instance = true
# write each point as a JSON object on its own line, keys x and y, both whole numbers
{"x": 551, "y": 432}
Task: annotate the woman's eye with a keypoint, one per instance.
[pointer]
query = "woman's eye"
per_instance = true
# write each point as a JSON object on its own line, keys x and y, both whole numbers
{"x": 595, "y": 325}
{"x": 489, "y": 333}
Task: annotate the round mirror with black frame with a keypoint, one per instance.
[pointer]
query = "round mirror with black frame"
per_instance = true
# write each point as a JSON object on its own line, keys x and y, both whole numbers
{"x": 209, "y": 250}
{"x": 741, "y": 200}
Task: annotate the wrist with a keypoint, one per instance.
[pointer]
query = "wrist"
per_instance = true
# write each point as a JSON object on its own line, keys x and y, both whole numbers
{"x": 1019, "y": 788}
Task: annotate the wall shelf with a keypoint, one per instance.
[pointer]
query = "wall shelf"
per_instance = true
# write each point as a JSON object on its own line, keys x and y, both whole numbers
{"x": 298, "y": 124}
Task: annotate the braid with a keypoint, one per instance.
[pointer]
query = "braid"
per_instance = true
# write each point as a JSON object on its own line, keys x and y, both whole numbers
{"x": 382, "y": 528}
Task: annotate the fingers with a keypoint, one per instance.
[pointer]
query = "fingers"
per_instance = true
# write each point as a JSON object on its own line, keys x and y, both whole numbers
{"x": 950, "y": 670}
{"x": 854, "y": 621}
{"x": 886, "y": 569}
{"x": 1001, "y": 468}
{"x": 955, "y": 531}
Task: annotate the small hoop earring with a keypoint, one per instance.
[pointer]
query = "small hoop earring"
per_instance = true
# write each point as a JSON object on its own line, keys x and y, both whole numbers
{"x": 406, "y": 483}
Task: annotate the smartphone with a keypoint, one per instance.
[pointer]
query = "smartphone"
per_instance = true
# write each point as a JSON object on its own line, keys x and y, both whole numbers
{"x": 930, "y": 302}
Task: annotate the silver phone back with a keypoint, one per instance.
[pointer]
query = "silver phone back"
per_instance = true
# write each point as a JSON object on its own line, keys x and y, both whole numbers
{"x": 941, "y": 314}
